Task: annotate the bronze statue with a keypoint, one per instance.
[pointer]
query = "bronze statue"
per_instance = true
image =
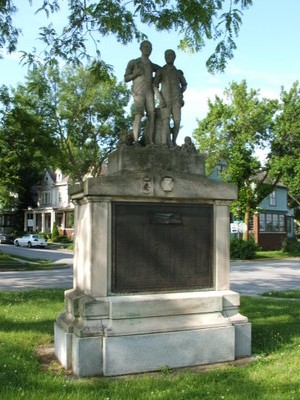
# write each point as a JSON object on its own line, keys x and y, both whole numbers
{"x": 173, "y": 84}
{"x": 140, "y": 71}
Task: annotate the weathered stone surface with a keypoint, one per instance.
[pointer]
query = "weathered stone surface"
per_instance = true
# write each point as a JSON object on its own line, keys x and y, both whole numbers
{"x": 132, "y": 354}
{"x": 158, "y": 186}
{"x": 106, "y": 331}
{"x": 155, "y": 159}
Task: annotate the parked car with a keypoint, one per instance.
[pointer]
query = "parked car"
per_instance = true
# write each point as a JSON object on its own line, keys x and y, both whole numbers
{"x": 6, "y": 238}
{"x": 31, "y": 240}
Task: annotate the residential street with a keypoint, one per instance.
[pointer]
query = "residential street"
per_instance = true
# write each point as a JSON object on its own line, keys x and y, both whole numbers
{"x": 247, "y": 277}
{"x": 256, "y": 277}
{"x": 19, "y": 280}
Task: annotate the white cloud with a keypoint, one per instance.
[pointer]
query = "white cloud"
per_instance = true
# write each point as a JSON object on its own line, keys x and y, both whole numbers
{"x": 196, "y": 107}
{"x": 260, "y": 79}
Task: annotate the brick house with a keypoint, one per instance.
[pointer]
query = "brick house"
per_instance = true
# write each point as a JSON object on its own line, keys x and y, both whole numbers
{"x": 273, "y": 221}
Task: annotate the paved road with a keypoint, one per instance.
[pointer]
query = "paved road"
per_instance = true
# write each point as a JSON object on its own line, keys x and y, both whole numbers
{"x": 256, "y": 277}
{"x": 55, "y": 278}
{"x": 247, "y": 277}
{"x": 59, "y": 256}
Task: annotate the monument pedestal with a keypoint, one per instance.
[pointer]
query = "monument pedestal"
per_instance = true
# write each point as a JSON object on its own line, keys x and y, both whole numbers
{"x": 151, "y": 269}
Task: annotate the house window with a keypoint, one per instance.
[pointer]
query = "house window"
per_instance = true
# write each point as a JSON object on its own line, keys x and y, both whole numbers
{"x": 46, "y": 198}
{"x": 289, "y": 225}
{"x": 59, "y": 197}
{"x": 6, "y": 220}
{"x": 271, "y": 222}
{"x": 272, "y": 199}
{"x": 70, "y": 219}
{"x": 58, "y": 177}
{"x": 220, "y": 168}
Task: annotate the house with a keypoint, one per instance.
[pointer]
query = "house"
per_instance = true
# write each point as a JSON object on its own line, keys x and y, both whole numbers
{"x": 50, "y": 204}
{"x": 7, "y": 221}
{"x": 273, "y": 222}
{"x": 10, "y": 217}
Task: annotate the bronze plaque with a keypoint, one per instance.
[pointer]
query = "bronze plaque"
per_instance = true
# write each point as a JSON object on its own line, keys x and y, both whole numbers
{"x": 161, "y": 247}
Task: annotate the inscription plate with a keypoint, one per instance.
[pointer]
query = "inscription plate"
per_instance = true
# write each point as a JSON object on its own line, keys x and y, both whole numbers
{"x": 161, "y": 247}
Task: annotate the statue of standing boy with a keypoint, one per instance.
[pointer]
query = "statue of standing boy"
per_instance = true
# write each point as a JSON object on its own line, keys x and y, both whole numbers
{"x": 173, "y": 84}
{"x": 140, "y": 71}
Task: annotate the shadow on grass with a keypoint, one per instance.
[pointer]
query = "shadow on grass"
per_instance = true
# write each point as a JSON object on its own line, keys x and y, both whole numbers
{"x": 23, "y": 373}
{"x": 275, "y": 322}
{"x": 40, "y": 326}
{"x": 34, "y": 310}
{"x": 32, "y": 296}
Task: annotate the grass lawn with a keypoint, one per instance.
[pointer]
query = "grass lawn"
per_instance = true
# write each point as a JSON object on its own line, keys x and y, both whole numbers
{"x": 14, "y": 263}
{"x": 27, "y": 319}
{"x": 275, "y": 254}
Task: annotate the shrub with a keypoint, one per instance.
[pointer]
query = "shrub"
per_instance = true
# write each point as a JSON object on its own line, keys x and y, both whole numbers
{"x": 44, "y": 235}
{"x": 243, "y": 249}
{"x": 63, "y": 239}
{"x": 55, "y": 233}
{"x": 291, "y": 246}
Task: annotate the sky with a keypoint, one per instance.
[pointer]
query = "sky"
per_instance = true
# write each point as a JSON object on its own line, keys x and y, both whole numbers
{"x": 267, "y": 55}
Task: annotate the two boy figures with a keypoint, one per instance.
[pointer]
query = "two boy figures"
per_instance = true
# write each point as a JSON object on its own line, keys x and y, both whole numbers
{"x": 172, "y": 84}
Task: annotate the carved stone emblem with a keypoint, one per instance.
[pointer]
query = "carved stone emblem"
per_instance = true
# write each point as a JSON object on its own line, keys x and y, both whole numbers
{"x": 167, "y": 184}
{"x": 147, "y": 185}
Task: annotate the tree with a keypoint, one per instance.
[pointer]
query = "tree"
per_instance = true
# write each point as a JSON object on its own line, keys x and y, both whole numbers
{"x": 85, "y": 113}
{"x": 26, "y": 146}
{"x": 234, "y": 130}
{"x": 70, "y": 119}
{"x": 196, "y": 21}
{"x": 286, "y": 148}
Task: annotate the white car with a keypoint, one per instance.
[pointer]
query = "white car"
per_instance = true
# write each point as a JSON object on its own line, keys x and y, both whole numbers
{"x": 31, "y": 240}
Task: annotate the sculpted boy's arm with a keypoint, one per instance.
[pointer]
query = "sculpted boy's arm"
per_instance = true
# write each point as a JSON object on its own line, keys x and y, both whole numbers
{"x": 157, "y": 77}
{"x": 131, "y": 72}
{"x": 155, "y": 67}
{"x": 183, "y": 81}
{"x": 156, "y": 81}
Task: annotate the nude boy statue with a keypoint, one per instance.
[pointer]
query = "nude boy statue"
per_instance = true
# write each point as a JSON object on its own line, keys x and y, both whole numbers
{"x": 140, "y": 71}
{"x": 173, "y": 84}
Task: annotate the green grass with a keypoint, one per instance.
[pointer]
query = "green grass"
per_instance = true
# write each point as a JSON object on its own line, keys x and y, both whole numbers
{"x": 18, "y": 263}
{"x": 26, "y": 322}
{"x": 276, "y": 254}
{"x": 283, "y": 294}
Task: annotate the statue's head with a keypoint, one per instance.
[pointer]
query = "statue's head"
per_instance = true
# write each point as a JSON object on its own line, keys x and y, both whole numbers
{"x": 170, "y": 56}
{"x": 146, "y": 47}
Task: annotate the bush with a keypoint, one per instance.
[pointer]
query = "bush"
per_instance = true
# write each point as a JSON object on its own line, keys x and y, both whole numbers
{"x": 243, "y": 249}
{"x": 291, "y": 246}
{"x": 44, "y": 235}
{"x": 55, "y": 233}
{"x": 63, "y": 239}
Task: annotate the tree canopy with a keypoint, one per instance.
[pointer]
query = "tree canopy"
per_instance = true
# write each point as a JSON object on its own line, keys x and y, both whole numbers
{"x": 285, "y": 150}
{"x": 242, "y": 125}
{"x": 68, "y": 119}
{"x": 26, "y": 145}
{"x": 196, "y": 22}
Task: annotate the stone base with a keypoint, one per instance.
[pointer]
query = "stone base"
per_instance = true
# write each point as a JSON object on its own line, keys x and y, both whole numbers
{"x": 129, "y": 159}
{"x": 140, "y": 353}
{"x": 133, "y": 334}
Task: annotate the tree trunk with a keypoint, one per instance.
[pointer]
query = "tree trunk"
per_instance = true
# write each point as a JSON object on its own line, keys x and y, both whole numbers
{"x": 247, "y": 222}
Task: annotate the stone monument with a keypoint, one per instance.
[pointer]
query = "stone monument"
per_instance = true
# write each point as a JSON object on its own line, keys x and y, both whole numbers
{"x": 151, "y": 268}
